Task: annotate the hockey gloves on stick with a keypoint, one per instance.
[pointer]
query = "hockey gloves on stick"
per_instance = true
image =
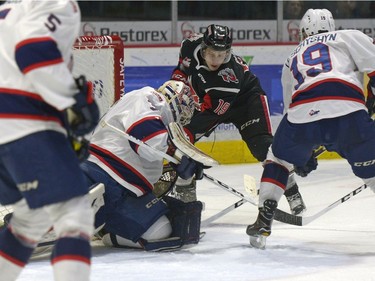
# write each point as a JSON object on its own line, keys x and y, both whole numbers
{"x": 83, "y": 116}
{"x": 188, "y": 168}
{"x": 311, "y": 165}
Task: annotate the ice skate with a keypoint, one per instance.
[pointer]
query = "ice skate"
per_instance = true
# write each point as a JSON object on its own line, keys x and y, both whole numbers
{"x": 261, "y": 229}
{"x": 294, "y": 197}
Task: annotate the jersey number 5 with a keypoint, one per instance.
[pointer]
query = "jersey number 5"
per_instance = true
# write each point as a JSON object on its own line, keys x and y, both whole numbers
{"x": 52, "y": 22}
{"x": 317, "y": 54}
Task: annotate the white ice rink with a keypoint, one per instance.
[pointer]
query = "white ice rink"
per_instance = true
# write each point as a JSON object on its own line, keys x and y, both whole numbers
{"x": 337, "y": 246}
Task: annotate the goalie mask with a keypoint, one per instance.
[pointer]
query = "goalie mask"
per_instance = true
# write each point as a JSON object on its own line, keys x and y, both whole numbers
{"x": 180, "y": 100}
{"x": 316, "y": 21}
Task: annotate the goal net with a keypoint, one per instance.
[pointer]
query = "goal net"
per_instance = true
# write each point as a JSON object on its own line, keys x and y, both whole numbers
{"x": 101, "y": 60}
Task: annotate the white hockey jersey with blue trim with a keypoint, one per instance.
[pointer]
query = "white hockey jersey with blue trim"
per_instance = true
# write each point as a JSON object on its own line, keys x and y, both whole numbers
{"x": 36, "y": 83}
{"x": 323, "y": 77}
{"x": 143, "y": 114}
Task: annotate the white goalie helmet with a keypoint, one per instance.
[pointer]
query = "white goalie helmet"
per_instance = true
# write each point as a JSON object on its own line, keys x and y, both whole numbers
{"x": 316, "y": 21}
{"x": 180, "y": 100}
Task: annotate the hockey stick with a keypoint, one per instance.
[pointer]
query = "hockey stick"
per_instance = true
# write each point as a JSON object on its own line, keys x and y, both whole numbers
{"x": 301, "y": 221}
{"x": 197, "y": 155}
{"x": 174, "y": 160}
{"x": 220, "y": 214}
{"x": 250, "y": 184}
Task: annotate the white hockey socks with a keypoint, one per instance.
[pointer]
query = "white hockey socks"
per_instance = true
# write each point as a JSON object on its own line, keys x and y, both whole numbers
{"x": 71, "y": 259}
{"x": 13, "y": 256}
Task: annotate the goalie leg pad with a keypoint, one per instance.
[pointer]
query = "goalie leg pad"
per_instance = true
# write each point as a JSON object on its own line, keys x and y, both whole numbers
{"x": 185, "y": 219}
{"x": 163, "y": 245}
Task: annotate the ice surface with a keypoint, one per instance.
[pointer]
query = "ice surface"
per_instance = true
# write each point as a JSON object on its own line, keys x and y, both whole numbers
{"x": 337, "y": 246}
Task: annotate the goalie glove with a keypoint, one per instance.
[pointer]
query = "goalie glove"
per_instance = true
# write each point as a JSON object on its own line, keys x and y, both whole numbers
{"x": 180, "y": 146}
{"x": 311, "y": 165}
{"x": 188, "y": 168}
{"x": 83, "y": 116}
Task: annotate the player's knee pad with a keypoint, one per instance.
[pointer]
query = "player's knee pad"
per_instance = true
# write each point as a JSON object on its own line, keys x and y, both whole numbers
{"x": 29, "y": 225}
{"x": 72, "y": 218}
{"x": 259, "y": 145}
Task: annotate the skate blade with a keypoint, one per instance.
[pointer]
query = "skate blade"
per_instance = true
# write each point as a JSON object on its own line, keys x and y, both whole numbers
{"x": 258, "y": 242}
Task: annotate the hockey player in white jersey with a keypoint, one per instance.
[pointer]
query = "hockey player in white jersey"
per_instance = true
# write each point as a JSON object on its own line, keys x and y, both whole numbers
{"x": 132, "y": 214}
{"x": 323, "y": 92}
{"x": 39, "y": 171}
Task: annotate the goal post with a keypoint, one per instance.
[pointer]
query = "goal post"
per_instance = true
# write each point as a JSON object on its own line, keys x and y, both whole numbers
{"x": 101, "y": 60}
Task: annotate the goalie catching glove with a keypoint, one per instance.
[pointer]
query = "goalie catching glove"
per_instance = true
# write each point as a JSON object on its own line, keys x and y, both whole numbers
{"x": 83, "y": 116}
{"x": 192, "y": 161}
{"x": 180, "y": 146}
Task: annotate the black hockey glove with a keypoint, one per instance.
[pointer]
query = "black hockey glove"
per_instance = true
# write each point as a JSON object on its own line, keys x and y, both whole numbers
{"x": 81, "y": 147}
{"x": 370, "y": 102}
{"x": 311, "y": 165}
{"x": 188, "y": 168}
{"x": 83, "y": 116}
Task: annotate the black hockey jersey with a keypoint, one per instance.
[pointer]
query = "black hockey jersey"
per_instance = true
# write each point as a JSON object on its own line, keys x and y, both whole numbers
{"x": 217, "y": 90}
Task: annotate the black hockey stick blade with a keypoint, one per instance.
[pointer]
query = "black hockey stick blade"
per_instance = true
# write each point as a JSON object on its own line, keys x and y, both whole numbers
{"x": 301, "y": 221}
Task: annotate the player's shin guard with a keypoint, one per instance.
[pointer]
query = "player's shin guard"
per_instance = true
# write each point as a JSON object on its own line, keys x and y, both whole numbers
{"x": 71, "y": 259}
{"x": 14, "y": 255}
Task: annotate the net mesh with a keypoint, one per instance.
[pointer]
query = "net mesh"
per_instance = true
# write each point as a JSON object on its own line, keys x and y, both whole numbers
{"x": 101, "y": 60}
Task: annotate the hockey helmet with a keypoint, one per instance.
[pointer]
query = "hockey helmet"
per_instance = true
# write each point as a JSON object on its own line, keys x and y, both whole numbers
{"x": 217, "y": 37}
{"x": 316, "y": 21}
{"x": 180, "y": 100}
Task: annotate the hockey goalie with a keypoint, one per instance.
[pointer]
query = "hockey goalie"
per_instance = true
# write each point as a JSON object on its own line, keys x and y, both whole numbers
{"x": 126, "y": 158}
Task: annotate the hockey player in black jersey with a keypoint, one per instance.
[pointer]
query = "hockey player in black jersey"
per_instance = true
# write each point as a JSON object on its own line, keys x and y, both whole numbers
{"x": 228, "y": 93}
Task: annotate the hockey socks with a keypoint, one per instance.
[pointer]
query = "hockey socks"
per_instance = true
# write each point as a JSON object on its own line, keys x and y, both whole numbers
{"x": 71, "y": 259}
{"x": 13, "y": 255}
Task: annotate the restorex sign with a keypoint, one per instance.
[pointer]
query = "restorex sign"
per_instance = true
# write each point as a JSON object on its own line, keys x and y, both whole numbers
{"x": 160, "y": 32}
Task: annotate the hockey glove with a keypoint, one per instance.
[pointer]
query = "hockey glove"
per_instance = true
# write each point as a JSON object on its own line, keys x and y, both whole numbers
{"x": 370, "y": 102}
{"x": 188, "y": 168}
{"x": 83, "y": 116}
{"x": 311, "y": 165}
{"x": 81, "y": 147}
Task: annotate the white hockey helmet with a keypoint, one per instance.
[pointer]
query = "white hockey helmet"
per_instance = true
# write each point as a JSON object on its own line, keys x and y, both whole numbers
{"x": 180, "y": 100}
{"x": 316, "y": 21}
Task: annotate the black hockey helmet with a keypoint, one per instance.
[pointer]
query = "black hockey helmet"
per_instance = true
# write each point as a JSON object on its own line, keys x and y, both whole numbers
{"x": 217, "y": 37}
